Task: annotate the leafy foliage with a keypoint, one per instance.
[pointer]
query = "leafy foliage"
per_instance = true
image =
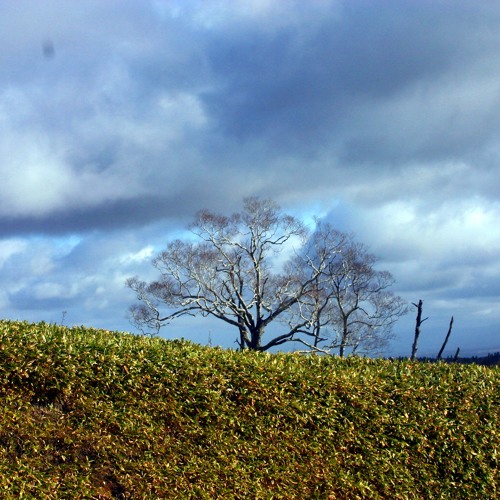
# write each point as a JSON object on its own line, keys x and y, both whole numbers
{"x": 96, "y": 414}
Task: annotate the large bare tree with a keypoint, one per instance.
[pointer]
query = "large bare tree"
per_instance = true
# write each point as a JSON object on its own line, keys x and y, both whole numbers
{"x": 233, "y": 273}
{"x": 260, "y": 266}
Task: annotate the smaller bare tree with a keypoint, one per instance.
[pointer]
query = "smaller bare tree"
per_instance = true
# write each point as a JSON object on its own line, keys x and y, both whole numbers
{"x": 418, "y": 324}
{"x": 440, "y": 353}
{"x": 350, "y": 304}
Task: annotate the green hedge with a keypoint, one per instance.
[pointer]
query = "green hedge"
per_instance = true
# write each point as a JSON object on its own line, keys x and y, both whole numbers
{"x": 88, "y": 413}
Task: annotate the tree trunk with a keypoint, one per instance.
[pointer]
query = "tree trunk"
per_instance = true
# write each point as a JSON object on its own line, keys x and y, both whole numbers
{"x": 341, "y": 350}
{"x": 244, "y": 340}
{"x": 317, "y": 329}
{"x": 256, "y": 335}
{"x": 343, "y": 340}
{"x": 445, "y": 340}
{"x": 417, "y": 329}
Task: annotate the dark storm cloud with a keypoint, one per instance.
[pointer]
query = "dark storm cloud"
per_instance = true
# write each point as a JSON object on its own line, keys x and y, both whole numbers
{"x": 107, "y": 217}
{"x": 145, "y": 104}
{"x": 325, "y": 79}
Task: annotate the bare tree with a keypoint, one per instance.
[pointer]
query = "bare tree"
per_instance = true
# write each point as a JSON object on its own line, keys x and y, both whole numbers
{"x": 352, "y": 306}
{"x": 230, "y": 274}
{"x": 418, "y": 324}
{"x": 259, "y": 266}
{"x": 440, "y": 353}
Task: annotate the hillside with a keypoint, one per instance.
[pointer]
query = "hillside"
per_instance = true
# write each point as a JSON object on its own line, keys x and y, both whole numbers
{"x": 97, "y": 414}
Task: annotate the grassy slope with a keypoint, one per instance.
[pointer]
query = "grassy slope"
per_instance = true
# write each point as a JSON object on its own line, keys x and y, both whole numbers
{"x": 97, "y": 414}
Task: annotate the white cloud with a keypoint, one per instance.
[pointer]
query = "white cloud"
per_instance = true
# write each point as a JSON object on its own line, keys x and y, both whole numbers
{"x": 407, "y": 231}
{"x": 144, "y": 254}
{"x": 11, "y": 247}
{"x": 269, "y": 14}
{"x": 182, "y": 110}
{"x": 50, "y": 290}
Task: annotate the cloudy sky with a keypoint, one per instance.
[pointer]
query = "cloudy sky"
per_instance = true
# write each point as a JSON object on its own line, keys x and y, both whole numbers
{"x": 120, "y": 119}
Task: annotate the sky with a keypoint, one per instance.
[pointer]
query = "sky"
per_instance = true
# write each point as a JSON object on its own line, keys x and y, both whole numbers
{"x": 119, "y": 120}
